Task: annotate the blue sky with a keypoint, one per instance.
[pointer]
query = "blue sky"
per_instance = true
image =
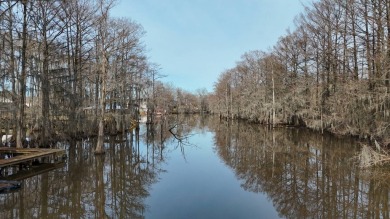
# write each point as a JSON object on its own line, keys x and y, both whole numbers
{"x": 194, "y": 41}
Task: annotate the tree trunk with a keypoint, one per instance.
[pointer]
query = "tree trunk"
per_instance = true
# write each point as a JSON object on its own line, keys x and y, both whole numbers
{"x": 13, "y": 76}
{"x": 20, "y": 134}
{"x": 273, "y": 95}
{"x": 368, "y": 46}
{"x": 45, "y": 94}
{"x": 100, "y": 143}
{"x": 387, "y": 78}
{"x": 102, "y": 101}
{"x": 355, "y": 47}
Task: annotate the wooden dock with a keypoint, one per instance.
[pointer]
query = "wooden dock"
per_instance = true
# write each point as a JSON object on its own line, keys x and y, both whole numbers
{"x": 16, "y": 164}
{"x": 28, "y": 155}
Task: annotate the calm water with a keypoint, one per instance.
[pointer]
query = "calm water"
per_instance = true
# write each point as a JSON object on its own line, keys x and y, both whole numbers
{"x": 207, "y": 169}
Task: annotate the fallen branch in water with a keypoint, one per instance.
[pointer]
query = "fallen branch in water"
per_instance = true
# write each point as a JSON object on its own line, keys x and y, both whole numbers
{"x": 182, "y": 140}
{"x": 176, "y": 136}
{"x": 369, "y": 156}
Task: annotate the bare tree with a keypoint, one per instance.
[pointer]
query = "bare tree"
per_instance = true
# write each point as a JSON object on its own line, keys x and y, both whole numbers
{"x": 20, "y": 128}
{"x": 330, "y": 73}
{"x": 103, "y": 47}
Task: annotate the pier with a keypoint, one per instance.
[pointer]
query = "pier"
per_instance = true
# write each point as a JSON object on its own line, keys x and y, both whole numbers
{"x": 25, "y": 157}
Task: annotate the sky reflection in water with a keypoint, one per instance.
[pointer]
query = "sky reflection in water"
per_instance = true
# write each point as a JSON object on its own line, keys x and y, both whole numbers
{"x": 222, "y": 170}
{"x": 202, "y": 186}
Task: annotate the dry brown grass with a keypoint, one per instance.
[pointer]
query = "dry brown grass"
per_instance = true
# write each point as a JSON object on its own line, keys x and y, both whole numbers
{"x": 373, "y": 156}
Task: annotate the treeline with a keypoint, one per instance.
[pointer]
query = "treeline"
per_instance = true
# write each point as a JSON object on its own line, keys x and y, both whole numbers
{"x": 173, "y": 100}
{"x": 61, "y": 58}
{"x": 331, "y": 73}
{"x": 66, "y": 65}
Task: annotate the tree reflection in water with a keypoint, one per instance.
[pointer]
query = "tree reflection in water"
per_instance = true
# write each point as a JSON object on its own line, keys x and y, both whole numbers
{"x": 114, "y": 185}
{"x": 306, "y": 175}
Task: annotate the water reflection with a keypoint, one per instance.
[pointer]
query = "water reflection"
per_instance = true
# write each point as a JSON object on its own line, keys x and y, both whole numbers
{"x": 304, "y": 174}
{"x": 89, "y": 186}
{"x": 111, "y": 186}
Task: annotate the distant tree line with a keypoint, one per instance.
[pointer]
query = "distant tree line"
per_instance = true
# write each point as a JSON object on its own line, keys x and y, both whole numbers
{"x": 331, "y": 73}
{"x": 173, "y": 100}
